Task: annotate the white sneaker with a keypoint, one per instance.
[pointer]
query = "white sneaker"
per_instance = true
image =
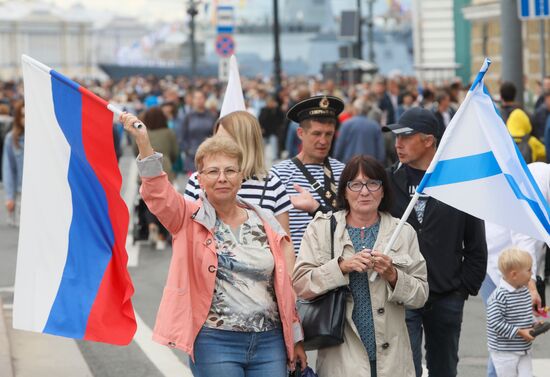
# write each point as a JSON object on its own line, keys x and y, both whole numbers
{"x": 160, "y": 245}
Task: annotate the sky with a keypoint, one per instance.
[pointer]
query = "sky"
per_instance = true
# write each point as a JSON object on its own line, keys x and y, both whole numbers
{"x": 170, "y": 10}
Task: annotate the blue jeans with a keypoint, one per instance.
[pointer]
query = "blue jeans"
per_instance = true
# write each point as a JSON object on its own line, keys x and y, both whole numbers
{"x": 487, "y": 287}
{"x": 239, "y": 354}
{"x": 441, "y": 321}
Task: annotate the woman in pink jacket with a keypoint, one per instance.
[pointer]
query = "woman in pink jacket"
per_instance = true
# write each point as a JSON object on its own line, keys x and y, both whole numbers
{"x": 228, "y": 300}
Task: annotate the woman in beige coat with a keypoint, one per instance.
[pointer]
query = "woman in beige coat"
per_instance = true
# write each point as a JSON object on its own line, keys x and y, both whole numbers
{"x": 376, "y": 341}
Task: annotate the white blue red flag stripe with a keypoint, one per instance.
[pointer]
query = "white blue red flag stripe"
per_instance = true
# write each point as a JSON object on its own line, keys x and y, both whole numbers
{"x": 479, "y": 169}
{"x": 71, "y": 277}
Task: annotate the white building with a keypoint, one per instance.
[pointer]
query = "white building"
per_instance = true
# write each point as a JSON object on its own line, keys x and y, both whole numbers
{"x": 70, "y": 40}
{"x": 434, "y": 39}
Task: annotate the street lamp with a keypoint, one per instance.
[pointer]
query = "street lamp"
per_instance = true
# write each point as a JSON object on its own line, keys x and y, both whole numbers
{"x": 370, "y": 27}
{"x": 359, "y": 31}
{"x": 276, "y": 52}
{"x": 192, "y": 12}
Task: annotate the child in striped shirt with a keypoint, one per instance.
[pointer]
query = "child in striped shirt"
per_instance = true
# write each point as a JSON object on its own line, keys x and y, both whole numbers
{"x": 510, "y": 316}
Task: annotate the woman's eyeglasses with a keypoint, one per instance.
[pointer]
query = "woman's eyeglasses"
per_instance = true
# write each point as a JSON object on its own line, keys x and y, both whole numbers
{"x": 214, "y": 173}
{"x": 372, "y": 185}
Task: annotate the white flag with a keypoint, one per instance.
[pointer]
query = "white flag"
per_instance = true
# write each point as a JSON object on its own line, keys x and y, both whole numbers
{"x": 233, "y": 99}
{"x": 478, "y": 169}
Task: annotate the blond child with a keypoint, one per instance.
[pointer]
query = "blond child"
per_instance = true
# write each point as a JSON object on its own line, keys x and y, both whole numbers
{"x": 510, "y": 316}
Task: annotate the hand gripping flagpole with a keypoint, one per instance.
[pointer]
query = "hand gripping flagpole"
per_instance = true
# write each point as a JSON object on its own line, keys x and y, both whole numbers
{"x": 119, "y": 112}
{"x": 398, "y": 229}
{"x": 420, "y": 188}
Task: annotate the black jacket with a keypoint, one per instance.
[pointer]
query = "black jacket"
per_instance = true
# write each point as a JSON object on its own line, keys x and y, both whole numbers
{"x": 452, "y": 242}
{"x": 441, "y": 122}
{"x": 271, "y": 120}
{"x": 385, "y": 104}
{"x": 539, "y": 122}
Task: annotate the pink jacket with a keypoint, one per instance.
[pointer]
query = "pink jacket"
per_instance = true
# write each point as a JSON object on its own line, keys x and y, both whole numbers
{"x": 191, "y": 278}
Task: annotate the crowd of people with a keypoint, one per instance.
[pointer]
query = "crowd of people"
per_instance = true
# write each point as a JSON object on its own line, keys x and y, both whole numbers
{"x": 249, "y": 238}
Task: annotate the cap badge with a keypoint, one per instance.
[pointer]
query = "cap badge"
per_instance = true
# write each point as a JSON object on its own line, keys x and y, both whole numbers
{"x": 323, "y": 104}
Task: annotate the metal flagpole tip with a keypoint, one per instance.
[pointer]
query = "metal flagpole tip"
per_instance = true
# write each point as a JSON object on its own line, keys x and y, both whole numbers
{"x": 486, "y": 63}
{"x": 484, "y": 68}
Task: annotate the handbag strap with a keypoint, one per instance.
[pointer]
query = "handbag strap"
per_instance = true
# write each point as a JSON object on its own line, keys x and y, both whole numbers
{"x": 332, "y": 230}
{"x": 328, "y": 192}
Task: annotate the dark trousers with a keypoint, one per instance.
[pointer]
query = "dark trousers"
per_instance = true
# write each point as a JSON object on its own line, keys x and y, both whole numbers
{"x": 441, "y": 321}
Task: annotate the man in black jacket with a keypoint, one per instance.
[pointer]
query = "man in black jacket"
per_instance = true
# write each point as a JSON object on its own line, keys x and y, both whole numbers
{"x": 451, "y": 241}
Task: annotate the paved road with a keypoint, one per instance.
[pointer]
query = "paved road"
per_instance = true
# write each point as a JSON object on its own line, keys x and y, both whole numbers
{"x": 44, "y": 355}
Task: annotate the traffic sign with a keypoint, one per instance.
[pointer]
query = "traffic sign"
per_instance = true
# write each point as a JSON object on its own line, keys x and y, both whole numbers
{"x": 533, "y": 9}
{"x": 225, "y": 45}
{"x": 225, "y": 19}
{"x": 223, "y": 70}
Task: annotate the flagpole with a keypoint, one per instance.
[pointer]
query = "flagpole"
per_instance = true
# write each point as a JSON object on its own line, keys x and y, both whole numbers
{"x": 397, "y": 230}
{"x": 478, "y": 80}
{"x": 44, "y": 68}
{"x": 119, "y": 112}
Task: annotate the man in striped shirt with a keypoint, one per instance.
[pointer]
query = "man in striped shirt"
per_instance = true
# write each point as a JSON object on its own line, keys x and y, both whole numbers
{"x": 510, "y": 316}
{"x": 312, "y": 169}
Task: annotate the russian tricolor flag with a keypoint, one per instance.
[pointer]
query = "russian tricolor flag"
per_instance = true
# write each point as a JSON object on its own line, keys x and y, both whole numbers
{"x": 71, "y": 277}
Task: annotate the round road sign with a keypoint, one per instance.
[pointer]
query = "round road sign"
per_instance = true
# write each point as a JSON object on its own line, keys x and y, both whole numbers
{"x": 225, "y": 45}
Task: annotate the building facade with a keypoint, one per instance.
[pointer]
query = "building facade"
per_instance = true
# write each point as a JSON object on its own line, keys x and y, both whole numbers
{"x": 434, "y": 40}
{"x": 45, "y": 34}
{"x": 70, "y": 40}
{"x": 484, "y": 16}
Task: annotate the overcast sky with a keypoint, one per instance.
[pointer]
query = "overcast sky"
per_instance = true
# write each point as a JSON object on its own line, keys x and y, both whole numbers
{"x": 169, "y": 10}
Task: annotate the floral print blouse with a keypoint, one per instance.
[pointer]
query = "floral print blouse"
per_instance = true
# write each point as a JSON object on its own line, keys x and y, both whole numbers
{"x": 244, "y": 296}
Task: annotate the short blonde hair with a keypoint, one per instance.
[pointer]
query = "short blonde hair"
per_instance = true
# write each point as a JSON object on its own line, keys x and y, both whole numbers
{"x": 513, "y": 259}
{"x": 245, "y": 129}
{"x": 217, "y": 145}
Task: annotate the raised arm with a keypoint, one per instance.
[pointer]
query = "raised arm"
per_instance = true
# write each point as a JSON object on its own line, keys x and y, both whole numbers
{"x": 140, "y": 135}
{"x": 161, "y": 197}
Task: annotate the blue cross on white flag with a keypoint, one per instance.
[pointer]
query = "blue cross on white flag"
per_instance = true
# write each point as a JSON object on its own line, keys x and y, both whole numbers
{"x": 478, "y": 169}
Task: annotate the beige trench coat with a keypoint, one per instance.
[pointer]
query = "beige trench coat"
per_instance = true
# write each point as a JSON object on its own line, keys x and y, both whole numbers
{"x": 315, "y": 274}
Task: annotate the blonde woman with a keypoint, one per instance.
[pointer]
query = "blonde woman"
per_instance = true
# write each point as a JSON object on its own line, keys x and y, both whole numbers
{"x": 258, "y": 187}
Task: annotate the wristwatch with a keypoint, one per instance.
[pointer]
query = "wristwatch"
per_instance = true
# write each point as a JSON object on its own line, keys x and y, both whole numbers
{"x": 321, "y": 208}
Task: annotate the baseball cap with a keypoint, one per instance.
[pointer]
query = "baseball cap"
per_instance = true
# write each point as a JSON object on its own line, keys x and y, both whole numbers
{"x": 413, "y": 121}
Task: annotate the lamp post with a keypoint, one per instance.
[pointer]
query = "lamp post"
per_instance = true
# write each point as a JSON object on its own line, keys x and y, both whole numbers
{"x": 359, "y": 31}
{"x": 192, "y": 12}
{"x": 512, "y": 46}
{"x": 370, "y": 26}
{"x": 276, "y": 52}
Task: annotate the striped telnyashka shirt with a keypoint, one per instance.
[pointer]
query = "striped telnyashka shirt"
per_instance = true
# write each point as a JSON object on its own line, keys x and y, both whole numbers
{"x": 276, "y": 199}
{"x": 508, "y": 310}
{"x": 289, "y": 174}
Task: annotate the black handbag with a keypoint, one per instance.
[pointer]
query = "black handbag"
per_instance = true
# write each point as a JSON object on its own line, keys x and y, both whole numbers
{"x": 324, "y": 317}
